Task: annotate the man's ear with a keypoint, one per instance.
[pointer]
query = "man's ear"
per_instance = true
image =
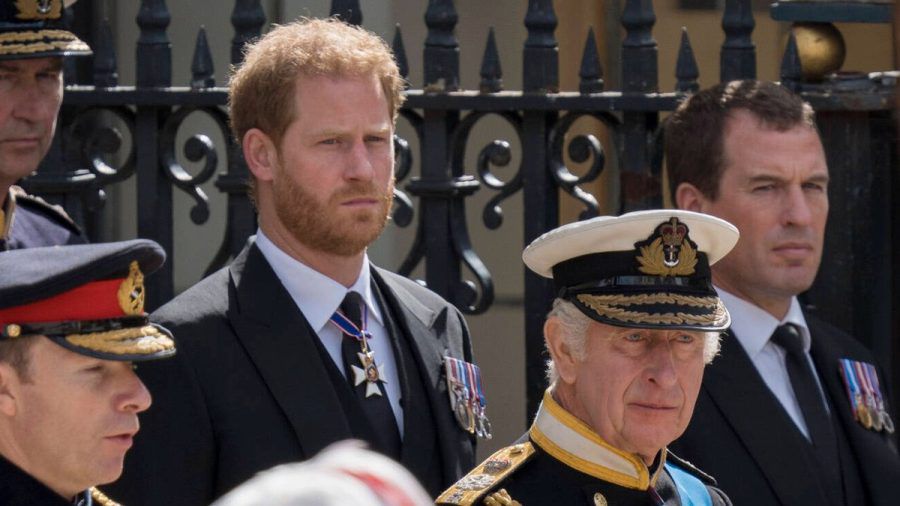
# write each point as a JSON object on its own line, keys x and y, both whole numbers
{"x": 689, "y": 198}
{"x": 9, "y": 389}
{"x": 560, "y": 352}
{"x": 260, "y": 153}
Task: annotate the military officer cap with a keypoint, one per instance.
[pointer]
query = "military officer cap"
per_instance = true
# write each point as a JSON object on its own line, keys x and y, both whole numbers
{"x": 88, "y": 298}
{"x": 647, "y": 269}
{"x": 33, "y": 29}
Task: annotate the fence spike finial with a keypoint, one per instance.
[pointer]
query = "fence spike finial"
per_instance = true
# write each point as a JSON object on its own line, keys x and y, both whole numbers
{"x": 541, "y": 54}
{"x": 347, "y": 10}
{"x": 202, "y": 64}
{"x": 441, "y": 47}
{"x": 247, "y": 18}
{"x": 591, "y": 73}
{"x": 639, "y": 50}
{"x": 738, "y": 57}
{"x": 791, "y": 70}
{"x": 106, "y": 74}
{"x": 400, "y": 53}
{"x": 686, "y": 72}
{"x": 154, "y": 50}
{"x": 491, "y": 73}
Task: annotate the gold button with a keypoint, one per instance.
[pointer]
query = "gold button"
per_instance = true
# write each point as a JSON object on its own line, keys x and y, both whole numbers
{"x": 13, "y": 330}
{"x": 599, "y": 500}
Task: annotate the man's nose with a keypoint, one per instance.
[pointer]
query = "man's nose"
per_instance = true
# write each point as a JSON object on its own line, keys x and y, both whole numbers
{"x": 797, "y": 209}
{"x": 661, "y": 364}
{"x": 359, "y": 163}
{"x": 135, "y": 397}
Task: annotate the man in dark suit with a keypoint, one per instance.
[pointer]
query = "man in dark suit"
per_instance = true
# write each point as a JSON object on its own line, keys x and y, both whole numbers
{"x": 72, "y": 322}
{"x": 794, "y": 411}
{"x": 301, "y": 342}
{"x": 32, "y": 45}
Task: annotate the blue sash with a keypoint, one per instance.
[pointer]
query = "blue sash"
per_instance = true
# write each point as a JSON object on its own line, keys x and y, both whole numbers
{"x": 691, "y": 490}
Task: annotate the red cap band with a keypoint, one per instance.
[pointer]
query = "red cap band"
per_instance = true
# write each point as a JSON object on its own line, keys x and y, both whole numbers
{"x": 97, "y": 300}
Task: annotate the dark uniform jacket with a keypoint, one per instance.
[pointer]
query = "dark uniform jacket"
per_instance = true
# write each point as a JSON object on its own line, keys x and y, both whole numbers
{"x": 252, "y": 387}
{"x": 742, "y": 435}
{"x": 565, "y": 462}
{"x": 18, "y": 488}
{"x": 28, "y": 222}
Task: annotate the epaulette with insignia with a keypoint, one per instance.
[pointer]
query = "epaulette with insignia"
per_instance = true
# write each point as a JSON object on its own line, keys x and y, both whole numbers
{"x": 101, "y": 499}
{"x": 687, "y": 466}
{"x": 35, "y": 203}
{"x": 486, "y": 476}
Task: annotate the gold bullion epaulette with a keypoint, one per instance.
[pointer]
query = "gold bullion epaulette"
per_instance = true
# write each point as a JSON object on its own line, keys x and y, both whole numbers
{"x": 480, "y": 481}
{"x": 101, "y": 499}
{"x": 37, "y": 204}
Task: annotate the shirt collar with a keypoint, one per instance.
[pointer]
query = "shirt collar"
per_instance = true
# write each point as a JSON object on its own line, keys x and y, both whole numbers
{"x": 753, "y": 326}
{"x": 572, "y": 442}
{"x": 316, "y": 295}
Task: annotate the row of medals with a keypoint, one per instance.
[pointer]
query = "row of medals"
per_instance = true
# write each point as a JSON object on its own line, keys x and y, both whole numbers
{"x": 872, "y": 414}
{"x": 470, "y": 413}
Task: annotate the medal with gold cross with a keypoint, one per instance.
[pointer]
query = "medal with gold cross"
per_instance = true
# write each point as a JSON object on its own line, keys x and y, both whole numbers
{"x": 370, "y": 372}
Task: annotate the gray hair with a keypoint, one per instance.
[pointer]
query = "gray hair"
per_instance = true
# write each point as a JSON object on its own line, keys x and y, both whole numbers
{"x": 574, "y": 326}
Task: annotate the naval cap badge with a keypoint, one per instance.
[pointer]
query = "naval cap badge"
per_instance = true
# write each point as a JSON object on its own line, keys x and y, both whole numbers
{"x": 669, "y": 251}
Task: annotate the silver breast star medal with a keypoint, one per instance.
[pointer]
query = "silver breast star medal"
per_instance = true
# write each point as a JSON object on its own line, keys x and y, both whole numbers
{"x": 370, "y": 372}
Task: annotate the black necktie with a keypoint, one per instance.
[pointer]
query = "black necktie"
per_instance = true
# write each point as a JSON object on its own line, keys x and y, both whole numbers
{"x": 812, "y": 404}
{"x": 376, "y": 407}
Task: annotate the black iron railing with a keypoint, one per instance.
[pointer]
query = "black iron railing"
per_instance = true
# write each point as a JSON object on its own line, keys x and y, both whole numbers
{"x": 857, "y": 288}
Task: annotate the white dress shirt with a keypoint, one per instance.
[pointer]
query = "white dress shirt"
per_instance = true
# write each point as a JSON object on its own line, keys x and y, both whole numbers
{"x": 753, "y": 327}
{"x": 317, "y": 296}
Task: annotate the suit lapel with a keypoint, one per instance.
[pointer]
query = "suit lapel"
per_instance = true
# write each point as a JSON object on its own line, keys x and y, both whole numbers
{"x": 758, "y": 419}
{"x": 415, "y": 321}
{"x": 875, "y": 459}
{"x": 278, "y": 340}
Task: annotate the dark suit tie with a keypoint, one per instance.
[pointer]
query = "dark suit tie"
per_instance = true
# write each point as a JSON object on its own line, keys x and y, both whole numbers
{"x": 376, "y": 407}
{"x": 812, "y": 405}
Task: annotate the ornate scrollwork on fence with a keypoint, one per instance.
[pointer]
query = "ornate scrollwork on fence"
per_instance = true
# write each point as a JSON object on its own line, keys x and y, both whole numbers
{"x": 96, "y": 141}
{"x": 581, "y": 148}
{"x": 197, "y": 147}
{"x": 403, "y": 210}
{"x": 496, "y": 153}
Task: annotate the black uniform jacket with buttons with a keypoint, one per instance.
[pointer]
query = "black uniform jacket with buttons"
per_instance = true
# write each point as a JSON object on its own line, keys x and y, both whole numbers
{"x": 18, "y": 488}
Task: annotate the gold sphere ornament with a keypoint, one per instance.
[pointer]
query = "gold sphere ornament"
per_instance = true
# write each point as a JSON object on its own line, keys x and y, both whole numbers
{"x": 821, "y": 49}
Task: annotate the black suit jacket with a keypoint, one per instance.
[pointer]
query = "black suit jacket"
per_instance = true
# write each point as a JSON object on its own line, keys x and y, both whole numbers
{"x": 248, "y": 388}
{"x": 741, "y": 435}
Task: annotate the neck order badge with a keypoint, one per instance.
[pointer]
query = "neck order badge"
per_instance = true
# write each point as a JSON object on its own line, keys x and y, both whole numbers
{"x": 370, "y": 372}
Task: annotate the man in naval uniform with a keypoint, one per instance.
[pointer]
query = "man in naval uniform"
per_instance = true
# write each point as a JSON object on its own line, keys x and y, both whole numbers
{"x": 635, "y": 321}
{"x": 32, "y": 45}
{"x": 71, "y": 324}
